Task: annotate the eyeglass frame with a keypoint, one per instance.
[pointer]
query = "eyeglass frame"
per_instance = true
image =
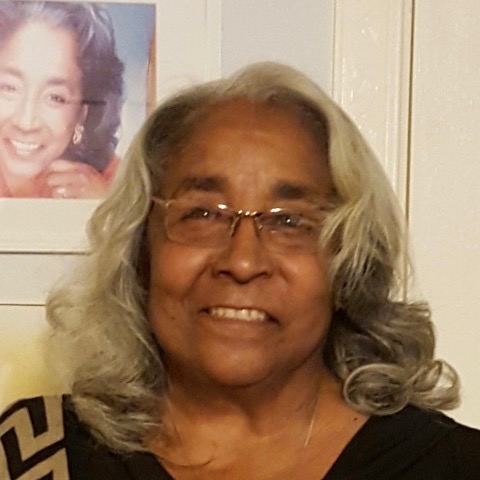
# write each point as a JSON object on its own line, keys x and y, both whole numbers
{"x": 236, "y": 216}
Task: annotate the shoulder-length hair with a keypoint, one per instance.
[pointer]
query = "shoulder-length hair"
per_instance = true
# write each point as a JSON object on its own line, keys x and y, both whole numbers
{"x": 380, "y": 346}
{"x": 102, "y": 69}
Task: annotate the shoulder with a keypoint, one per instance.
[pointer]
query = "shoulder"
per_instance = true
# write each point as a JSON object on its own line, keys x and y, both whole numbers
{"x": 463, "y": 445}
{"x": 430, "y": 441}
{"x": 110, "y": 170}
{"x": 32, "y": 440}
{"x": 412, "y": 444}
{"x": 42, "y": 438}
{"x": 438, "y": 424}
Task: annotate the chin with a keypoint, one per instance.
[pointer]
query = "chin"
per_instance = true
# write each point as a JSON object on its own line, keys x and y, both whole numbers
{"x": 24, "y": 170}
{"x": 238, "y": 371}
{"x": 240, "y": 378}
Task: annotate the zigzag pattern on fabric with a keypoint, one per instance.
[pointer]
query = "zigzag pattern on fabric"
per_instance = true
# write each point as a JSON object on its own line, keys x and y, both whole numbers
{"x": 32, "y": 441}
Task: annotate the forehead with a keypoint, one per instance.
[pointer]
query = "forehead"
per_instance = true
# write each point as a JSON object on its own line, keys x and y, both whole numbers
{"x": 251, "y": 146}
{"x": 38, "y": 51}
{"x": 244, "y": 115}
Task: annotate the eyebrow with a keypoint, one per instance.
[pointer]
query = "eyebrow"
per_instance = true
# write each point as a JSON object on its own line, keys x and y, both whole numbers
{"x": 283, "y": 190}
{"x": 291, "y": 191}
{"x": 51, "y": 82}
{"x": 55, "y": 81}
{"x": 11, "y": 71}
{"x": 202, "y": 184}
{"x": 286, "y": 190}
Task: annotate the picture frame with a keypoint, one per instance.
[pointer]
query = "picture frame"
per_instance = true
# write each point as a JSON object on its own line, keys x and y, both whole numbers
{"x": 185, "y": 51}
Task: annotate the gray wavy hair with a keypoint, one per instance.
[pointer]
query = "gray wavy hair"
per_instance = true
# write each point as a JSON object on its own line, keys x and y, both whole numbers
{"x": 380, "y": 346}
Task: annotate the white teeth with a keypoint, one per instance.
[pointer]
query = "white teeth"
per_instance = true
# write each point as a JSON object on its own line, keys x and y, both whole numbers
{"x": 24, "y": 148}
{"x": 246, "y": 314}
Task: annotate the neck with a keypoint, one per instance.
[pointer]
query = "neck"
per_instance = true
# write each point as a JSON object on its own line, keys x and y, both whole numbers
{"x": 195, "y": 412}
{"x": 256, "y": 404}
{"x": 231, "y": 434}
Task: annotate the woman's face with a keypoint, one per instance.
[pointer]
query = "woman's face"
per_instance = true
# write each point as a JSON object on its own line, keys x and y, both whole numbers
{"x": 240, "y": 314}
{"x": 40, "y": 98}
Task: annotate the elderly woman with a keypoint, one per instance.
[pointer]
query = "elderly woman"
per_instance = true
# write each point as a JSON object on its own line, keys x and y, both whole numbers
{"x": 60, "y": 97}
{"x": 239, "y": 314}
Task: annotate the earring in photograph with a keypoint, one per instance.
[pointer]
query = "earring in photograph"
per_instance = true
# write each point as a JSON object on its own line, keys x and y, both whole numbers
{"x": 78, "y": 134}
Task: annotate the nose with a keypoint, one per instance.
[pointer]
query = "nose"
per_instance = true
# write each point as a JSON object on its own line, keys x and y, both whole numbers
{"x": 244, "y": 258}
{"x": 25, "y": 115}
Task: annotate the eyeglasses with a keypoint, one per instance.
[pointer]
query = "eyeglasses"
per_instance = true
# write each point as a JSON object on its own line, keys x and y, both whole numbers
{"x": 191, "y": 222}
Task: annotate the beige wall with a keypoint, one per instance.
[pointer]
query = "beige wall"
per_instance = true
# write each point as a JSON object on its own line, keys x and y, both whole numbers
{"x": 421, "y": 114}
{"x": 23, "y": 369}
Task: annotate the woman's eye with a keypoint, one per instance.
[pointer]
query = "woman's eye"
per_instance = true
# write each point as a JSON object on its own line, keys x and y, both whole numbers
{"x": 7, "y": 87}
{"x": 8, "y": 90}
{"x": 287, "y": 220}
{"x": 289, "y": 223}
{"x": 199, "y": 213}
{"x": 55, "y": 99}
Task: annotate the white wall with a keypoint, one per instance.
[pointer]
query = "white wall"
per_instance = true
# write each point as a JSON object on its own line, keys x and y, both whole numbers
{"x": 299, "y": 33}
{"x": 445, "y": 180}
{"x": 408, "y": 72}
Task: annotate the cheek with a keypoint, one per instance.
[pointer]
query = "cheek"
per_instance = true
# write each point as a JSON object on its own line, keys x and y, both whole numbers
{"x": 310, "y": 294}
{"x": 174, "y": 269}
{"x": 7, "y": 110}
{"x": 311, "y": 279}
{"x": 174, "y": 274}
{"x": 62, "y": 125}
{"x": 62, "y": 132}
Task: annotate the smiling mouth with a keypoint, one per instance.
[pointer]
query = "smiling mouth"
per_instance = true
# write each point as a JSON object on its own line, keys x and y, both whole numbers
{"x": 23, "y": 149}
{"x": 242, "y": 314}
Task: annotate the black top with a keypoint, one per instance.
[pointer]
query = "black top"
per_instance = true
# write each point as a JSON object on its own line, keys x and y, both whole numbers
{"x": 42, "y": 436}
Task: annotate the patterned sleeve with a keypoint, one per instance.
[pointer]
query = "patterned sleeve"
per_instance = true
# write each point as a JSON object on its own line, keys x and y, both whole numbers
{"x": 32, "y": 441}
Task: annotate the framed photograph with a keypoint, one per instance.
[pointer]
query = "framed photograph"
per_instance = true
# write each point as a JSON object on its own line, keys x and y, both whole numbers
{"x": 68, "y": 112}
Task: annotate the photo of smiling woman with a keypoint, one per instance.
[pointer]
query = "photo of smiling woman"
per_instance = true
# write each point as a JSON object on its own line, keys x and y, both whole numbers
{"x": 61, "y": 92}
